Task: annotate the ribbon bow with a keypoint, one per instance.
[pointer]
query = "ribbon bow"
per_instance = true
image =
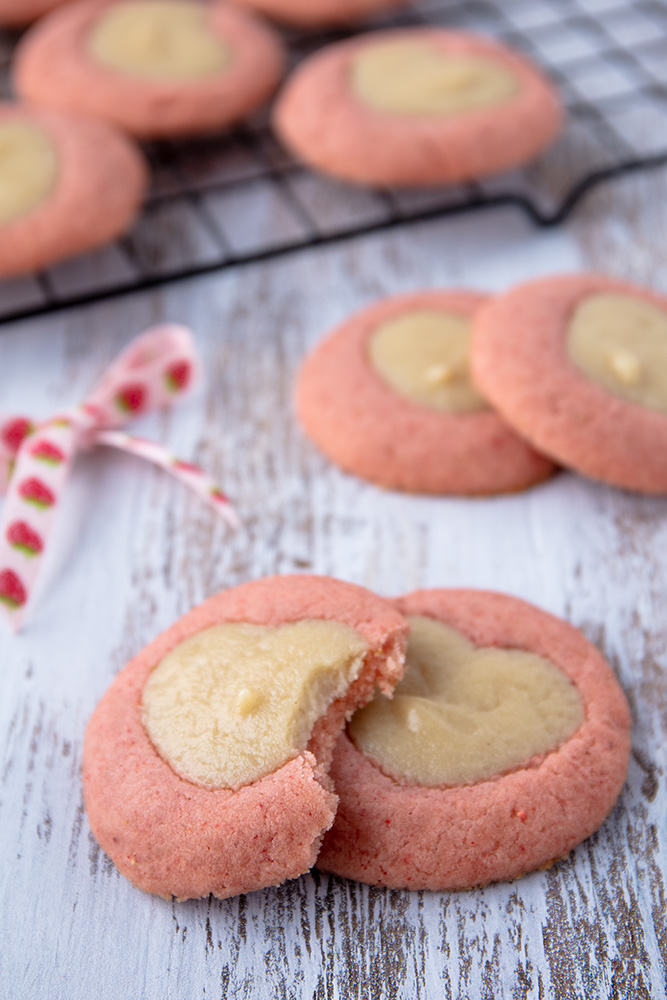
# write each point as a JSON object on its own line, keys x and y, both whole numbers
{"x": 154, "y": 370}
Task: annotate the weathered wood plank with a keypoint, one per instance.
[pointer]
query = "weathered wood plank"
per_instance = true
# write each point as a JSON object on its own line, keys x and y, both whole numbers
{"x": 136, "y": 552}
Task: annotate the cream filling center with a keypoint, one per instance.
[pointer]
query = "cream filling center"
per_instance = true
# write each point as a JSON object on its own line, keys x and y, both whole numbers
{"x": 620, "y": 342}
{"x": 464, "y": 714}
{"x": 28, "y": 168}
{"x": 409, "y": 77}
{"x": 236, "y": 702}
{"x": 423, "y": 355}
{"x": 159, "y": 39}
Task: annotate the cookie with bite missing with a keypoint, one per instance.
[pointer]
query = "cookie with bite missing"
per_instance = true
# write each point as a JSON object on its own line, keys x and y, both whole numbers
{"x": 155, "y": 68}
{"x": 578, "y": 365}
{"x": 320, "y": 13}
{"x": 67, "y": 184}
{"x": 388, "y": 397}
{"x": 505, "y": 745}
{"x": 417, "y": 106}
{"x": 205, "y": 765}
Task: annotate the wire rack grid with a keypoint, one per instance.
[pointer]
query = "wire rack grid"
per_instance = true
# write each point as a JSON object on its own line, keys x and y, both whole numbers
{"x": 229, "y": 200}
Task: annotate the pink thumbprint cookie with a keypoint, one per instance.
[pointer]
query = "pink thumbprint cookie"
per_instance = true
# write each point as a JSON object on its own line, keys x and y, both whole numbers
{"x": 418, "y": 106}
{"x": 67, "y": 184}
{"x": 156, "y": 68}
{"x": 206, "y": 763}
{"x": 388, "y": 397}
{"x": 505, "y": 745}
{"x": 578, "y": 365}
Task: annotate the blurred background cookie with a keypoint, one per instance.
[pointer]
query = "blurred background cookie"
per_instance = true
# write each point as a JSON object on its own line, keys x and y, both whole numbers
{"x": 418, "y": 106}
{"x": 504, "y": 746}
{"x": 320, "y": 13}
{"x": 155, "y": 68}
{"x": 15, "y": 13}
{"x": 578, "y": 365}
{"x": 388, "y": 397}
{"x": 67, "y": 184}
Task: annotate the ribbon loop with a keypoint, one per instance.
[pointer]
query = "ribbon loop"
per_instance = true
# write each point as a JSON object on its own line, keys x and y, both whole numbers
{"x": 157, "y": 366}
{"x": 35, "y": 459}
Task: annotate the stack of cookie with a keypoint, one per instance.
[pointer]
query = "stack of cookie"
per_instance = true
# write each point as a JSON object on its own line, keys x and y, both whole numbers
{"x": 455, "y": 393}
{"x": 94, "y": 75}
{"x": 216, "y": 762}
{"x": 405, "y": 107}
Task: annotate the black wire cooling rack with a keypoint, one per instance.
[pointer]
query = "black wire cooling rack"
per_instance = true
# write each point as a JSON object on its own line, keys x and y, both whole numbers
{"x": 227, "y": 201}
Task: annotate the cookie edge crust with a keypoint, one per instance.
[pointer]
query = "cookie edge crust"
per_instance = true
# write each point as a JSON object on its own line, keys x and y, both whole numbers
{"x": 365, "y": 146}
{"x": 338, "y": 393}
{"x": 541, "y": 392}
{"x": 300, "y": 13}
{"x": 405, "y": 836}
{"x": 148, "y": 109}
{"x": 171, "y": 837}
{"x": 13, "y": 13}
{"x": 96, "y": 197}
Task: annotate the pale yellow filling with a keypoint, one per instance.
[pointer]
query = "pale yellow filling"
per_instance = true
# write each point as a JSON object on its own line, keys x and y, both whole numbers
{"x": 236, "y": 702}
{"x": 159, "y": 39}
{"x": 410, "y": 77}
{"x": 620, "y": 342}
{"x": 423, "y": 355}
{"x": 464, "y": 714}
{"x": 28, "y": 168}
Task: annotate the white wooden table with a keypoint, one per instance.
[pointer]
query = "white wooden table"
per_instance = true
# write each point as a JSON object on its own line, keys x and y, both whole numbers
{"x": 135, "y": 551}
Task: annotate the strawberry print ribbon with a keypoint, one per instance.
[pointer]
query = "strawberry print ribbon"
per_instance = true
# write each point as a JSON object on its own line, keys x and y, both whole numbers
{"x": 35, "y": 459}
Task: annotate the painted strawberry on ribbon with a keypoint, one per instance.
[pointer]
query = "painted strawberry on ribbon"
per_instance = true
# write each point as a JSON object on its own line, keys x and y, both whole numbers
{"x": 46, "y": 451}
{"x": 131, "y": 399}
{"x": 24, "y": 538}
{"x": 36, "y": 492}
{"x": 13, "y": 433}
{"x": 185, "y": 466}
{"x": 178, "y": 376}
{"x": 12, "y": 592}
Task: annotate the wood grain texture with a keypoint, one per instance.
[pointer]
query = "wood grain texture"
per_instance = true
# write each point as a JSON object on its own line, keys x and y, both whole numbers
{"x": 135, "y": 551}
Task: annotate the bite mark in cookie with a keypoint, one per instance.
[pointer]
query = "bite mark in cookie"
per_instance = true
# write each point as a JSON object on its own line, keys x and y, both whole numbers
{"x": 236, "y": 702}
{"x": 188, "y": 836}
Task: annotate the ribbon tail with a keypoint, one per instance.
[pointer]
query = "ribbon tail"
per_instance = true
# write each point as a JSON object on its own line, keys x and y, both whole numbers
{"x": 190, "y": 475}
{"x": 13, "y": 431}
{"x": 42, "y": 467}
